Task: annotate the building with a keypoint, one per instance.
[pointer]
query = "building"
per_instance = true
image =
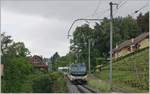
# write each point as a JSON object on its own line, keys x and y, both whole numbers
{"x": 132, "y": 45}
{"x": 36, "y": 59}
{"x": 38, "y": 62}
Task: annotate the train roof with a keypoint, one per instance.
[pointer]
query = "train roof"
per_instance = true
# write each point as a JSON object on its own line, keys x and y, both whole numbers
{"x": 79, "y": 64}
{"x": 63, "y": 67}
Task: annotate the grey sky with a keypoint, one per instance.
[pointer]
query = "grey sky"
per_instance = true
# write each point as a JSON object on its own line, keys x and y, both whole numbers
{"x": 43, "y": 24}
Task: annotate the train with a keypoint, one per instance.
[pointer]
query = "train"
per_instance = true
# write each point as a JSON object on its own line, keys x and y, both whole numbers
{"x": 78, "y": 73}
{"x": 63, "y": 70}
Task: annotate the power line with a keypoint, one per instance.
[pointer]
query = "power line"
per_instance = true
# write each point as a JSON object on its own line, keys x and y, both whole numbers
{"x": 96, "y": 9}
{"x": 120, "y": 5}
{"x": 100, "y": 12}
{"x": 120, "y": 1}
{"x": 104, "y": 11}
{"x": 136, "y": 11}
{"x": 141, "y": 8}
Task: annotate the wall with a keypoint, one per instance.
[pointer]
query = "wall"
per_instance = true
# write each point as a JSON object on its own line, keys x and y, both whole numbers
{"x": 144, "y": 43}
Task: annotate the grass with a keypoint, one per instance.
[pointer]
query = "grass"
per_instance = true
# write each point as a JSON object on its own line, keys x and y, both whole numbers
{"x": 130, "y": 72}
{"x": 98, "y": 84}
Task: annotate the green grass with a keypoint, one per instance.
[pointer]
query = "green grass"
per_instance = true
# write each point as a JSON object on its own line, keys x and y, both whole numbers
{"x": 130, "y": 72}
{"x": 99, "y": 85}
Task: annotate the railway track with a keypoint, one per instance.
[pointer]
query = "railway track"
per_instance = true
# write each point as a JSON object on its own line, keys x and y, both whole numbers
{"x": 78, "y": 88}
{"x": 84, "y": 89}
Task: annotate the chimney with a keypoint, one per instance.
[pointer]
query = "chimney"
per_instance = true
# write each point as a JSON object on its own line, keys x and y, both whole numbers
{"x": 132, "y": 40}
{"x": 116, "y": 46}
{"x": 131, "y": 47}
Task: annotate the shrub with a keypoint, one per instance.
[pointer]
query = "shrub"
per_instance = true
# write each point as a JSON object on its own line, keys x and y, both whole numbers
{"x": 42, "y": 84}
{"x": 59, "y": 83}
{"x": 47, "y": 83}
{"x": 15, "y": 70}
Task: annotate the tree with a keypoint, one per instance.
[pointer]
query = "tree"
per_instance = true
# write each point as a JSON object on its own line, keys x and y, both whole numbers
{"x": 124, "y": 28}
{"x": 16, "y": 64}
{"x": 18, "y": 49}
{"x": 8, "y": 47}
{"x": 54, "y": 59}
{"x": 102, "y": 38}
{"x": 66, "y": 60}
{"x": 80, "y": 41}
{"x": 5, "y": 42}
{"x": 143, "y": 22}
{"x": 15, "y": 71}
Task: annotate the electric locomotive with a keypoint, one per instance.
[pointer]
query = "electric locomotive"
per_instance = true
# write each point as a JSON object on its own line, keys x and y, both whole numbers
{"x": 78, "y": 73}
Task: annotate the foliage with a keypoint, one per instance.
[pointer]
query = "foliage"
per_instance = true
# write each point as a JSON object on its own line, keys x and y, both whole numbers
{"x": 80, "y": 42}
{"x": 11, "y": 48}
{"x": 59, "y": 84}
{"x": 143, "y": 22}
{"x": 16, "y": 64}
{"x": 101, "y": 61}
{"x": 42, "y": 84}
{"x": 124, "y": 28}
{"x": 54, "y": 59}
{"x": 19, "y": 75}
{"x": 66, "y": 60}
{"x": 16, "y": 69}
{"x": 18, "y": 49}
{"x": 5, "y": 42}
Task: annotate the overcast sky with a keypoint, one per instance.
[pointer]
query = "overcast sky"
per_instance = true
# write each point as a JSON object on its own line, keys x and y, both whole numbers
{"x": 43, "y": 24}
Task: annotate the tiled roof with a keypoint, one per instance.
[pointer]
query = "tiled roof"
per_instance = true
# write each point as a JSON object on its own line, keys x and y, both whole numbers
{"x": 131, "y": 42}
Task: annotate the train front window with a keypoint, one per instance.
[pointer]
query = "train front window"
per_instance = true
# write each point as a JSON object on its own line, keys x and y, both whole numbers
{"x": 78, "y": 70}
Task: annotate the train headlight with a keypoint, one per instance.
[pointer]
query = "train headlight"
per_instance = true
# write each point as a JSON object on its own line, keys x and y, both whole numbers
{"x": 85, "y": 77}
{"x": 72, "y": 77}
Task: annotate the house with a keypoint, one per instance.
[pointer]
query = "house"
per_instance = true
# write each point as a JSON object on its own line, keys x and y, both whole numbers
{"x": 36, "y": 59}
{"x": 131, "y": 45}
{"x": 38, "y": 62}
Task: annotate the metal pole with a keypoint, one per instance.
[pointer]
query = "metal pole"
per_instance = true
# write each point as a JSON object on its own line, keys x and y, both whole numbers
{"x": 111, "y": 17}
{"x": 111, "y": 39}
{"x": 89, "y": 59}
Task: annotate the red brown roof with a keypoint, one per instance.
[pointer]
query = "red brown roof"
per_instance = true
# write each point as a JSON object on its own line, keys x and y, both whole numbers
{"x": 131, "y": 42}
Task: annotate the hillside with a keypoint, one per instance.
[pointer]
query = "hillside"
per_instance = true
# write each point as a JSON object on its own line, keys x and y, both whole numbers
{"x": 130, "y": 72}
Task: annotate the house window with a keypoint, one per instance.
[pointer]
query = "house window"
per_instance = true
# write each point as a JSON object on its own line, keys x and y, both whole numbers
{"x": 136, "y": 46}
{"x": 129, "y": 49}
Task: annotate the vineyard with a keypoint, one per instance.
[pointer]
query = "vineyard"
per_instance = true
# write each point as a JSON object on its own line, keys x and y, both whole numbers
{"x": 130, "y": 72}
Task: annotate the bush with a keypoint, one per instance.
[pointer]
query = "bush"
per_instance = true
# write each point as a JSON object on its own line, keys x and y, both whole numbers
{"x": 49, "y": 83}
{"x": 19, "y": 76}
{"x": 15, "y": 70}
{"x": 56, "y": 75}
{"x": 42, "y": 84}
{"x": 59, "y": 82}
